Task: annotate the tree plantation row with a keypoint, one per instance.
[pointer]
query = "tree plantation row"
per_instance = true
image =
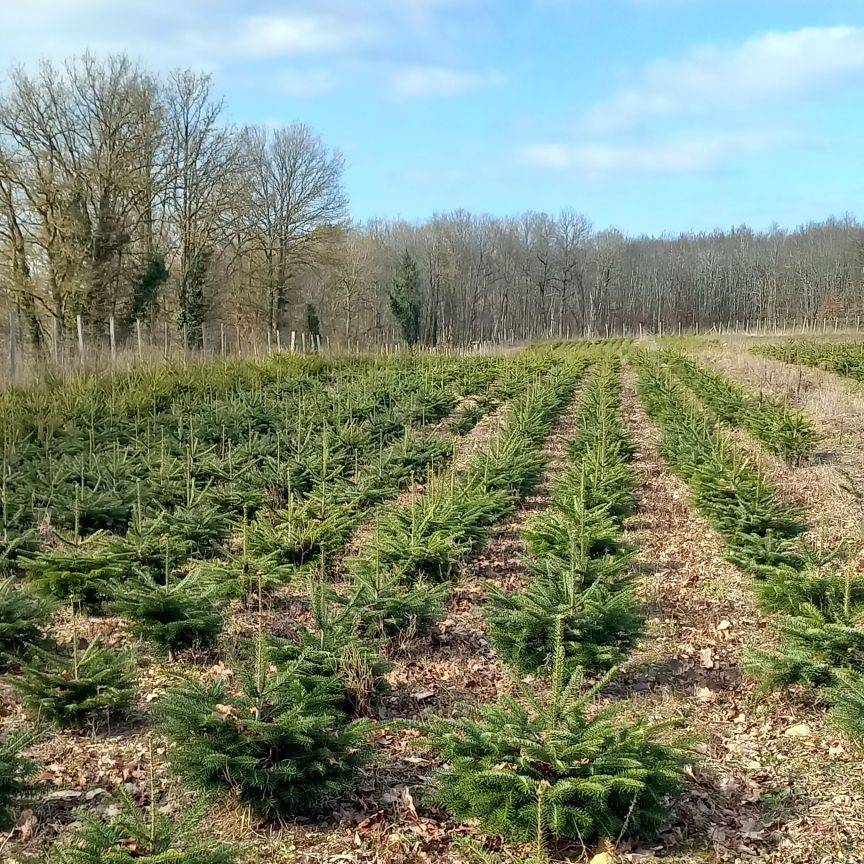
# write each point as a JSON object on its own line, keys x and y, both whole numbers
{"x": 226, "y": 565}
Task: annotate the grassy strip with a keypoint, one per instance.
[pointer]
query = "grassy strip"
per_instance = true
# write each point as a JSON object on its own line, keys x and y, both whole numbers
{"x": 779, "y": 428}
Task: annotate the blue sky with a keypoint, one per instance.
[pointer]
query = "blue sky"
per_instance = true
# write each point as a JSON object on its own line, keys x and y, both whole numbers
{"x": 648, "y": 115}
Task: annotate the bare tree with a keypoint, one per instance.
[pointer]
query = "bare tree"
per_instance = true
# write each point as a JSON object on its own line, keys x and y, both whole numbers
{"x": 296, "y": 204}
{"x": 204, "y": 190}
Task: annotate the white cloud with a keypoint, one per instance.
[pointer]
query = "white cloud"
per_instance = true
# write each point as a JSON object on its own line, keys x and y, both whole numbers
{"x": 442, "y": 81}
{"x": 680, "y": 153}
{"x": 214, "y": 34}
{"x": 771, "y": 67}
{"x": 280, "y": 35}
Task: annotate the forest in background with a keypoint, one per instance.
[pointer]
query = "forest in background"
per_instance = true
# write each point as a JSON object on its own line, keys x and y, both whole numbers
{"x": 128, "y": 201}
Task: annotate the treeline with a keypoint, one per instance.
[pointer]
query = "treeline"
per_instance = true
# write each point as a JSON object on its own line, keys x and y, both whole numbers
{"x": 537, "y": 276}
{"x": 130, "y": 197}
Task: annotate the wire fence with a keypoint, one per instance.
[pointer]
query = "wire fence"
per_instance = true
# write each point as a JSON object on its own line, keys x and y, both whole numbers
{"x": 63, "y": 354}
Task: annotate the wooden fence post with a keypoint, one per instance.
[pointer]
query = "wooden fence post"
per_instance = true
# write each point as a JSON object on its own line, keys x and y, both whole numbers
{"x": 112, "y": 340}
{"x": 138, "y": 339}
{"x": 80, "y": 325}
{"x": 13, "y": 348}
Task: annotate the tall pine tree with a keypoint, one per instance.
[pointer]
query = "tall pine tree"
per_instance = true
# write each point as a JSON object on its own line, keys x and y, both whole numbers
{"x": 405, "y": 303}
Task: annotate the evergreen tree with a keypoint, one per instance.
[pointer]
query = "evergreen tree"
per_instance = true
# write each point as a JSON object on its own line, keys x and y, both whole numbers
{"x": 382, "y": 607}
{"x": 336, "y": 647}
{"x": 88, "y": 573}
{"x": 405, "y": 299}
{"x": 541, "y": 769}
{"x": 15, "y": 773}
{"x": 193, "y": 305}
{"x": 847, "y": 697}
{"x": 599, "y": 624}
{"x": 145, "y": 290}
{"x": 68, "y": 689}
{"x": 22, "y": 614}
{"x": 181, "y": 613}
{"x": 276, "y": 739}
{"x": 815, "y": 645}
{"x": 136, "y": 836}
{"x": 313, "y": 322}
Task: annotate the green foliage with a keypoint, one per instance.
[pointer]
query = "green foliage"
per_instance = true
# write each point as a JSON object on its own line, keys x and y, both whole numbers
{"x": 16, "y": 772}
{"x": 581, "y": 596}
{"x": 313, "y": 322}
{"x": 843, "y": 358}
{"x": 405, "y": 299}
{"x": 762, "y": 534}
{"x": 847, "y": 697}
{"x": 818, "y": 586}
{"x": 821, "y": 634}
{"x": 544, "y": 763}
{"x": 778, "y": 427}
{"x": 22, "y": 614}
{"x": 136, "y": 836}
{"x": 274, "y": 739}
{"x": 301, "y": 534}
{"x": 599, "y": 625}
{"x": 815, "y": 645}
{"x": 69, "y": 689}
{"x": 87, "y": 572}
{"x": 193, "y": 302}
{"x": 182, "y": 613}
{"x": 439, "y": 529}
{"x": 383, "y": 607}
{"x": 347, "y": 664}
{"x": 145, "y": 290}
{"x": 423, "y": 542}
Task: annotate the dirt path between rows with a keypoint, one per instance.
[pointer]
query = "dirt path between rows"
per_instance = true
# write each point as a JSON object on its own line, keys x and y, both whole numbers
{"x": 775, "y": 784}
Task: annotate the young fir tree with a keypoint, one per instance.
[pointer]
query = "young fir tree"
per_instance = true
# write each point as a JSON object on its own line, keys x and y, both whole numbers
{"x": 814, "y": 646}
{"x": 822, "y": 637}
{"x": 599, "y": 624}
{"x": 541, "y": 769}
{"x": 384, "y": 602}
{"x": 183, "y": 612}
{"x": 22, "y": 614}
{"x": 581, "y": 592}
{"x": 136, "y": 836}
{"x": 847, "y": 698}
{"x": 16, "y": 772}
{"x": 87, "y": 573}
{"x": 275, "y": 739}
{"x": 336, "y": 648}
{"x": 71, "y": 688}
{"x": 405, "y": 299}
